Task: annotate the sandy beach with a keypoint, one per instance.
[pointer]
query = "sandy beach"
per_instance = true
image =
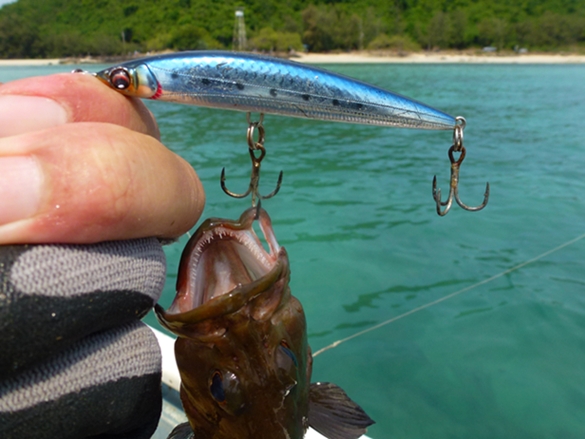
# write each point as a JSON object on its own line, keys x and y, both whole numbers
{"x": 440, "y": 58}
{"x": 367, "y": 57}
{"x": 29, "y": 62}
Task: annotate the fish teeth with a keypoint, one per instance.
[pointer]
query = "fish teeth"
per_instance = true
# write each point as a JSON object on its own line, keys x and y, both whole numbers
{"x": 245, "y": 239}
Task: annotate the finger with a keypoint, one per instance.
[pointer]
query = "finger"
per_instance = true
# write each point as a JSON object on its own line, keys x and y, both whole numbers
{"x": 90, "y": 182}
{"x": 71, "y": 291}
{"x": 34, "y": 104}
{"x": 107, "y": 385}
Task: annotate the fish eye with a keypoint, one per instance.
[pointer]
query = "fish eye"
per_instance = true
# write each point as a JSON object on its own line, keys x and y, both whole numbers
{"x": 120, "y": 78}
{"x": 288, "y": 365}
{"x": 284, "y": 347}
{"x": 216, "y": 387}
{"x": 225, "y": 389}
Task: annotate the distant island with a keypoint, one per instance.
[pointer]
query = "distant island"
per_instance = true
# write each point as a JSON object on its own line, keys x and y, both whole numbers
{"x": 108, "y": 28}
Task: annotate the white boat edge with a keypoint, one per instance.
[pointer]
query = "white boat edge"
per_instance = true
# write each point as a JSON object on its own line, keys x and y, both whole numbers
{"x": 172, "y": 411}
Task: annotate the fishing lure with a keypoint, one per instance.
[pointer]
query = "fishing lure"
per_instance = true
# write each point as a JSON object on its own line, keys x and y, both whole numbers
{"x": 256, "y": 83}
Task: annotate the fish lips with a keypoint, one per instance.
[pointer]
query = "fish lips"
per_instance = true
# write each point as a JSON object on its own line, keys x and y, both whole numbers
{"x": 258, "y": 288}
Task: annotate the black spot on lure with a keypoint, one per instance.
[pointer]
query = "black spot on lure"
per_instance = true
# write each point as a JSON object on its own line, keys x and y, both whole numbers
{"x": 255, "y": 83}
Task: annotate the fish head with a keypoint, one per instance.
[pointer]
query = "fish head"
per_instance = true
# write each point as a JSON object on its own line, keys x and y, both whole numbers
{"x": 131, "y": 79}
{"x": 242, "y": 350}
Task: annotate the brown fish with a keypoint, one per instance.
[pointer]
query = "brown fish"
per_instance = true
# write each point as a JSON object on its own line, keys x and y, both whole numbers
{"x": 242, "y": 346}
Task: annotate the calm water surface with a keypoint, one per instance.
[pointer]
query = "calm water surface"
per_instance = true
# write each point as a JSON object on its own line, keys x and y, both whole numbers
{"x": 502, "y": 360}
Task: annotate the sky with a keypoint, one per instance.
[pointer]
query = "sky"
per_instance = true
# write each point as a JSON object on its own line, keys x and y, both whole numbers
{"x": 3, "y": 2}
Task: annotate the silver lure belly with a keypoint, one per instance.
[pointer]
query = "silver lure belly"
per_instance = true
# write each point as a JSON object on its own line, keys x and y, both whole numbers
{"x": 249, "y": 82}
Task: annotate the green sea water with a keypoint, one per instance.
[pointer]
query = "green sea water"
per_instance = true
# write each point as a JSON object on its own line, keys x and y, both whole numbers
{"x": 505, "y": 358}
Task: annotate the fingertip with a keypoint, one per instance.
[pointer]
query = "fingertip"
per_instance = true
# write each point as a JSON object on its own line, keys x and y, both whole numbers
{"x": 102, "y": 182}
{"x": 192, "y": 200}
{"x": 85, "y": 99}
{"x": 145, "y": 115}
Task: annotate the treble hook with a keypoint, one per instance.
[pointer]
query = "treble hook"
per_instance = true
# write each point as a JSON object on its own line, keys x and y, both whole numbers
{"x": 455, "y": 165}
{"x": 256, "y": 162}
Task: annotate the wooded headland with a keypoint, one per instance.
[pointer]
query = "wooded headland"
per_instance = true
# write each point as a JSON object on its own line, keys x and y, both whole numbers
{"x": 77, "y": 28}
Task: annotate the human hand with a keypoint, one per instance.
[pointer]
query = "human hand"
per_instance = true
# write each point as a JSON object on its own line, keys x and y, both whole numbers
{"x": 81, "y": 164}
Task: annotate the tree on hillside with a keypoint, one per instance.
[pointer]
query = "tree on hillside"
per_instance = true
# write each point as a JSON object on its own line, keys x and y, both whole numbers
{"x": 31, "y": 28}
{"x": 331, "y": 28}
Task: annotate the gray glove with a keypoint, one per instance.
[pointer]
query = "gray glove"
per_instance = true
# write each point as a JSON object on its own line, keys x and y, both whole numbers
{"x": 75, "y": 360}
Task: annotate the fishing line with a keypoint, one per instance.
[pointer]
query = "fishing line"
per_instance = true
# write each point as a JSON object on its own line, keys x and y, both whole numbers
{"x": 450, "y": 296}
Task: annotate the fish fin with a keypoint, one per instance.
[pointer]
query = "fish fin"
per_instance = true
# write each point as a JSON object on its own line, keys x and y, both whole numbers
{"x": 182, "y": 431}
{"x": 333, "y": 414}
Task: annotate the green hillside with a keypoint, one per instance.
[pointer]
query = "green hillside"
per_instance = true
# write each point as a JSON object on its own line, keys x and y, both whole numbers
{"x": 57, "y": 28}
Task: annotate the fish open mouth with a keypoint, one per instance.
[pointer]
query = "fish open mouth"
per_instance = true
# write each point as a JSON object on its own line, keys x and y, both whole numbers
{"x": 225, "y": 258}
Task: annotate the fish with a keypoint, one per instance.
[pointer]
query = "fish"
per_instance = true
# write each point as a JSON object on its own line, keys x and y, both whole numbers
{"x": 241, "y": 347}
{"x": 257, "y": 83}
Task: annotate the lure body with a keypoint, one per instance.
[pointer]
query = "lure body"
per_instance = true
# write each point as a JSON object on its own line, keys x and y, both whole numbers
{"x": 249, "y": 82}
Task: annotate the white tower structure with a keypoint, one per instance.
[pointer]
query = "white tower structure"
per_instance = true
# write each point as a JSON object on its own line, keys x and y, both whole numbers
{"x": 239, "y": 42}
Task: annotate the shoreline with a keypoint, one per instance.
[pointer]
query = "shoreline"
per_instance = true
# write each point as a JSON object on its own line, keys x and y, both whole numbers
{"x": 29, "y": 62}
{"x": 364, "y": 58}
{"x": 438, "y": 58}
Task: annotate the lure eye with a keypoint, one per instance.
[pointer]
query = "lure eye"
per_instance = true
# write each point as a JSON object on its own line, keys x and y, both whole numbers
{"x": 216, "y": 387}
{"x": 120, "y": 78}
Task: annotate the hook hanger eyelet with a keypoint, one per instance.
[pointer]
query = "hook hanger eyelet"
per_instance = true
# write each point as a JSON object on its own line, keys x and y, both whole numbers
{"x": 254, "y": 146}
{"x": 454, "y": 183}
